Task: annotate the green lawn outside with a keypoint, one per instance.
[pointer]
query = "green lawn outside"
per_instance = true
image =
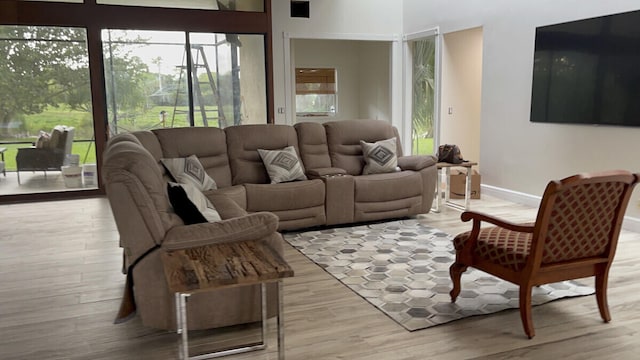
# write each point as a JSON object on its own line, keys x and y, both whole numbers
{"x": 424, "y": 146}
{"x": 83, "y": 124}
{"x": 147, "y": 119}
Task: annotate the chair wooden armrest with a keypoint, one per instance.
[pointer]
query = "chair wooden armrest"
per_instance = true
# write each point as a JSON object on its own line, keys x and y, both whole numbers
{"x": 479, "y": 217}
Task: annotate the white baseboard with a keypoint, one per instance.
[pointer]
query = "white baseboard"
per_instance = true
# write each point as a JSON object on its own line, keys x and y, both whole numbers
{"x": 629, "y": 223}
{"x": 510, "y": 195}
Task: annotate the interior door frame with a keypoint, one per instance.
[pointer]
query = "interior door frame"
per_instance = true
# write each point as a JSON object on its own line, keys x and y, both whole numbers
{"x": 395, "y": 72}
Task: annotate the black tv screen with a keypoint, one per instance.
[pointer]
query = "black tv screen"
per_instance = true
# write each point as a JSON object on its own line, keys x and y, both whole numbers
{"x": 588, "y": 71}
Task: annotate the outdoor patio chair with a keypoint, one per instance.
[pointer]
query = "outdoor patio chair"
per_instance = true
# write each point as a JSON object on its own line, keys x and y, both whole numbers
{"x": 46, "y": 155}
{"x": 574, "y": 236}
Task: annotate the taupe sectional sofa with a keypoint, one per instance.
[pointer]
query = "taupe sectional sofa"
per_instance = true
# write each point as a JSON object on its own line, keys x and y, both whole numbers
{"x": 335, "y": 192}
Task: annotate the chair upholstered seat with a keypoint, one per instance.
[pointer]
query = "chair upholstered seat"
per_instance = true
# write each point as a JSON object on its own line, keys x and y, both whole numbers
{"x": 501, "y": 246}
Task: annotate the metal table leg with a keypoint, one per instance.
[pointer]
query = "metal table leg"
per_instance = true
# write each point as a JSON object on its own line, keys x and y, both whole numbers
{"x": 280, "y": 322}
{"x": 467, "y": 190}
{"x": 181, "y": 329}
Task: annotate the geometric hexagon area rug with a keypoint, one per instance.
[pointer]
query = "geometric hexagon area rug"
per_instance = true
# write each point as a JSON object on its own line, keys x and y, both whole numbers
{"x": 402, "y": 268}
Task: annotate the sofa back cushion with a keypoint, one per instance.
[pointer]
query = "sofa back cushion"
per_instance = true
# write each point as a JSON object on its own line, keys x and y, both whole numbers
{"x": 312, "y": 140}
{"x": 343, "y": 140}
{"x": 243, "y": 142}
{"x": 208, "y": 144}
{"x": 148, "y": 140}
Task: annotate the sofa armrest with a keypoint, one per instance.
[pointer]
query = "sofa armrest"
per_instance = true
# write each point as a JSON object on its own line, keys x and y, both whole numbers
{"x": 250, "y": 227}
{"x": 416, "y": 162}
{"x": 322, "y": 172}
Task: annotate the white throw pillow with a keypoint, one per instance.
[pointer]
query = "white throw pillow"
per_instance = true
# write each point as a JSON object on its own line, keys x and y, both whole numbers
{"x": 189, "y": 170}
{"x": 282, "y": 165}
{"x": 379, "y": 157}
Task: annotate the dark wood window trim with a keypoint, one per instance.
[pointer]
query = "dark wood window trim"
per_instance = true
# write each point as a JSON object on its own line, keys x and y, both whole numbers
{"x": 95, "y": 17}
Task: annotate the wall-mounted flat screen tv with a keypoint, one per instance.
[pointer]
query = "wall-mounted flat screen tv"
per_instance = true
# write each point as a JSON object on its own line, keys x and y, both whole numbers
{"x": 588, "y": 71}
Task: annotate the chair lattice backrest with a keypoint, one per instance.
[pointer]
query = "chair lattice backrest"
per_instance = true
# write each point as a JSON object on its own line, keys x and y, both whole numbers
{"x": 582, "y": 220}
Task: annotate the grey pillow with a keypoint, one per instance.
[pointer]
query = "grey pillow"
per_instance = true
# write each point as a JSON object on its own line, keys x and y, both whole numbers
{"x": 282, "y": 165}
{"x": 189, "y": 170}
{"x": 197, "y": 198}
{"x": 379, "y": 157}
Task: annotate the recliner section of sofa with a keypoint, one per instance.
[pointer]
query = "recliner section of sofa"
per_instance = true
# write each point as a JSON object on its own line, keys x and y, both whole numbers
{"x": 332, "y": 152}
{"x": 148, "y": 226}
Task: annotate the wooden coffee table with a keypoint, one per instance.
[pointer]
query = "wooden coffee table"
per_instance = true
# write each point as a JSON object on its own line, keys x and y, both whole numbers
{"x": 212, "y": 267}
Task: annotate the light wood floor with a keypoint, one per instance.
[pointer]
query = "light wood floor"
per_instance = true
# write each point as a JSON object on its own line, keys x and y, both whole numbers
{"x": 60, "y": 284}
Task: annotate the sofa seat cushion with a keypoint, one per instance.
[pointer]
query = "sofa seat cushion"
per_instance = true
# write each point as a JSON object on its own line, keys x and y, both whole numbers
{"x": 297, "y": 204}
{"x": 285, "y": 196}
{"x": 387, "y": 187}
{"x": 237, "y": 193}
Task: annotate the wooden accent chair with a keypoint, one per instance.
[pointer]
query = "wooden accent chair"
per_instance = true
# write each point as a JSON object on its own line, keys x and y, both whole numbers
{"x": 574, "y": 236}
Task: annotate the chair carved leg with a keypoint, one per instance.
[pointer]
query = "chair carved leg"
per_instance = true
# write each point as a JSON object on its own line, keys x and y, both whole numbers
{"x": 455, "y": 271}
{"x": 601, "y": 294}
{"x": 525, "y": 310}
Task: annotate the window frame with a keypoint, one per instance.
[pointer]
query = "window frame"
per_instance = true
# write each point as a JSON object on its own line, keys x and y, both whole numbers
{"x": 327, "y": 77}
{"x": 96, "y": 17}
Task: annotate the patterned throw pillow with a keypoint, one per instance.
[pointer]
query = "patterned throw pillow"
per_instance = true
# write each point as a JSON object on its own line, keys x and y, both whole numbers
{"x": 379, "y": 157}
{"x": 282, "y": 165}
{"x": 189, "y": 170}
{"x": 191, "y": 204}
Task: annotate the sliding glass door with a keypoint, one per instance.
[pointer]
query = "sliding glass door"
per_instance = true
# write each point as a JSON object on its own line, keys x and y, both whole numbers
{"x": 47, "y": 136}
{"x": 112, "y": 66}
{"x": 424, "y": 85}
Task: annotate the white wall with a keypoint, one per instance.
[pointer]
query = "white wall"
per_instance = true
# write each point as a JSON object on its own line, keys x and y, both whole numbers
{"x": 337, "y": 19}
{"x": 363, "y": 75}
{"x": 516, "y": 154}
{"x": 461, "y": 90}
{"x": 374, "y": 80}
{"x": 341, "y": 55}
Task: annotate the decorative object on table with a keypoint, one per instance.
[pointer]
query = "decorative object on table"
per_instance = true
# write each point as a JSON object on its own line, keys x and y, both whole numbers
{"x": 72, "y": 176}
{"x": 89, "y": 174}
{"x": 450, "y": 153}
{"x": 574, "y": 236}
{"x": 401, "y": 268}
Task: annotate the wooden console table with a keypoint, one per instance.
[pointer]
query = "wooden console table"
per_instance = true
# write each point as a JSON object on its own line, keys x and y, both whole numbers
{"x": 467, "y": 190}
{"x": 213, "y": 267}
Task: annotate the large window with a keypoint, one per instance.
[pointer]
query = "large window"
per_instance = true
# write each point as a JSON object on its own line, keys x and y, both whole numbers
{"x": 111, "y": 66}
{"x": 148, "y": 74}
{"x": 46, "y": 121}
{"x": 316, "y": 92}
{"x": 235, "y": 5}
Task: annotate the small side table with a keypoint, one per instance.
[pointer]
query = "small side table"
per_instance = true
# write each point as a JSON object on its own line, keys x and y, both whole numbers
{"x": 213, "y": 267}
{"x": 4, "y": 168}
{"x": 467, "y": 191}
